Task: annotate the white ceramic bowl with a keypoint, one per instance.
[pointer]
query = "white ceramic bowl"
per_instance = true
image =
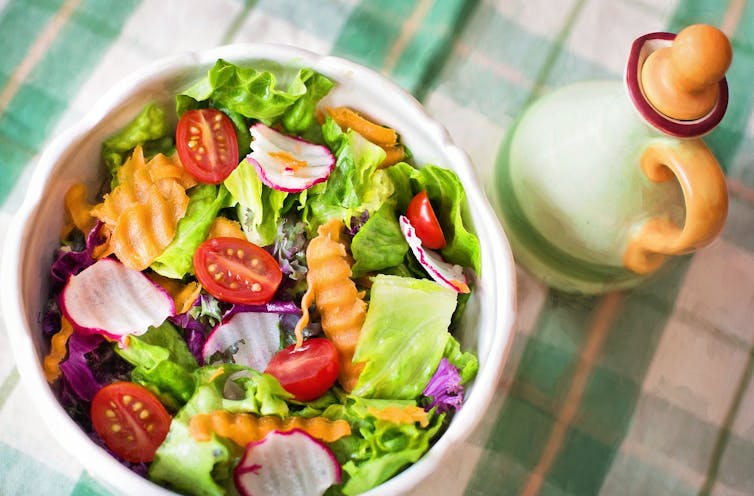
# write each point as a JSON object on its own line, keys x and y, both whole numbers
{"x": 74, "y": 157}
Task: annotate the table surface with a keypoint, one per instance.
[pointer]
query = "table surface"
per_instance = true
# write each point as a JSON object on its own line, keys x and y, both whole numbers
{"x": 647, "y": 391}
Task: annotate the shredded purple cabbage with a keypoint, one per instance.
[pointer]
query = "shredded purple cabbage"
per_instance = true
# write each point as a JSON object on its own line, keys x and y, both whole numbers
{"x": 68, "y": 262}
{"x": 278, "y": 306}
{"x": 445, "y": 388}
{"x": 75, "y": 368}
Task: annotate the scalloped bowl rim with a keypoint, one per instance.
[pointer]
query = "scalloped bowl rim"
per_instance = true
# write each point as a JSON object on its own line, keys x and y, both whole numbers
{"x": 497, "y": 299}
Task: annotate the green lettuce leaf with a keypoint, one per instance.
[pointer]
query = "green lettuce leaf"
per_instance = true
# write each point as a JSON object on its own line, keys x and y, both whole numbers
{"x": 381, "y": 448}
{"x": 205, "y": 468}
{"x": 355, "y": 185}
{"x": 256, "y": 94}
{"x": 448, "y": 199}
{"x": 163, "y": 364}
{"x": 259, "y": 207}
{"x": 205, "y": 202}
{"x": 150, "y": 129}
{"x": 466, "y": 362}
{"x": 403, "y": 337}
{"x": 379, "y": 244}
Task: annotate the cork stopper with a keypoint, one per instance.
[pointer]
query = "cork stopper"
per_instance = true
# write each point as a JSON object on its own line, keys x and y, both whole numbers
{"x": 681, "y": 80}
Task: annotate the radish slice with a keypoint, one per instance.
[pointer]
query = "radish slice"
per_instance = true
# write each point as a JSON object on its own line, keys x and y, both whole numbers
{"x": 255, "y": 335}
{"x": 287, "y": 163}
{"x": 110, "y": 299}
{"x": 291, "y": 463}
{"x": 446, "y": 274}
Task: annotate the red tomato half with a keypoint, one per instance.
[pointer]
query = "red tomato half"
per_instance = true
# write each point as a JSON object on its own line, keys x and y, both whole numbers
{"x": 422, "y": 216}
{"x": 130, "y": 420}
{"x": 237, "y": 271}
{"x": 308, "y": 372}
{"x": 207, "y": 145}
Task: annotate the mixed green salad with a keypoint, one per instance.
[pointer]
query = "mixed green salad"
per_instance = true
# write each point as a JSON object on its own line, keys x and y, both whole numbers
{"x": 262, "y": 298}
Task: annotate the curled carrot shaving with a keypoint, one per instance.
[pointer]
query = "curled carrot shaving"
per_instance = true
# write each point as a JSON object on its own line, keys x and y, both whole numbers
{"x": 144, "y": 209}
{"x": 77, "y": 211}
{"x": 223, "y": 227}
{"x": 51, "y": 364}
{"x": 393, "y": 155}
{"x": 244, "y": 428}
{"x": 350, "y": 119}
{"x": 398, "y": 415}
{"x": 339, "y": 303}
{"x": 184, "y": 295}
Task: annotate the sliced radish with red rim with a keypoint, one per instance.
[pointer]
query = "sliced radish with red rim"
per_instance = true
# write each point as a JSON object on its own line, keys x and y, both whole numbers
{"x": 291, "y": 463}
{"x": 446, "y": 274}
{"x": 288, "y": 163}
{"x": 251, "y": 337}
{"x": 110, "y": 299}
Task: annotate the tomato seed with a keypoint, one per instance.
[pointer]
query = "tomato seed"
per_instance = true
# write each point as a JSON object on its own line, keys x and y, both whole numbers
{"x": 256, "y": 287}
{"x": 109, "y": 413}
{"x": 144, "y": 414}
{"x": 229, "y": 252}
{"x": 212, "y": 267}
{"x": 218, "y": 276}
{"x": 194, "y": 130}
{"x": 137, "y": 406}
{"x": 126, "y": 399}
{"x": 150, "y": 427}
{"x": 254, "y": 262}
{"x": 239, "y": 253}
{"x": 116, "y": 428}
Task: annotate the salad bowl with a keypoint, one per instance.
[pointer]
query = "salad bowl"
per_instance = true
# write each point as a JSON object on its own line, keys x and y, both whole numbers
{"x": 74, "y": 157}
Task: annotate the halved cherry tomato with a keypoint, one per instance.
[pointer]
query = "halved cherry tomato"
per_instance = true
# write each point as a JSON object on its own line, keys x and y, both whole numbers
{"x": 422, "y": 217}
{"x": 237, "y": 271}
{"x": 207, "y": 146}
{"x": 130, "y": 420}
{"x": 308, "y": 372}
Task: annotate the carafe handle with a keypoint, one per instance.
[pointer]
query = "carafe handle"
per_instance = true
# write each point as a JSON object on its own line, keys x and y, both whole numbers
{"x": 706, "y": 200}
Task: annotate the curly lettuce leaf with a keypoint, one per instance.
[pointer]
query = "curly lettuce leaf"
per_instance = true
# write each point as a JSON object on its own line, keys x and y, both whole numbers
{"x": 150, "y": 129}
{"x": 403, "y": 337}
{"x": 205, "y": 202}
{"x": 355, "y": 185}
{"x": 466, "y": 362}
{"x": 259, "y": 207}
{"x": 381, "y": 448}
{"x": 163, "y": 363}
{"x": 205, "y": 468}
{"x": 256, "y": 94}
{"x": 448, "y": 198}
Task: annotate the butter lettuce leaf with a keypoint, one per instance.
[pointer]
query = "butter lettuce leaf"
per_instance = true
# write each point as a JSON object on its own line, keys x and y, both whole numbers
{"x": 403, "y": 337}
{"x": 162, "y": 363}
{"x": 379, "y": 244}
{"x": 205, "y": 202}
{"x": 259, "y": 207}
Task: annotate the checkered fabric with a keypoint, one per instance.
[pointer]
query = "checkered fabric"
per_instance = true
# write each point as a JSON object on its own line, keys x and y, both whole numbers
{"x": 647, "y": 391}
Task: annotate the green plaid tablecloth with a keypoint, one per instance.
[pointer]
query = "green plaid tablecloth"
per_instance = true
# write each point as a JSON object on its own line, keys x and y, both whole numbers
{"x": 641, "y": 392}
